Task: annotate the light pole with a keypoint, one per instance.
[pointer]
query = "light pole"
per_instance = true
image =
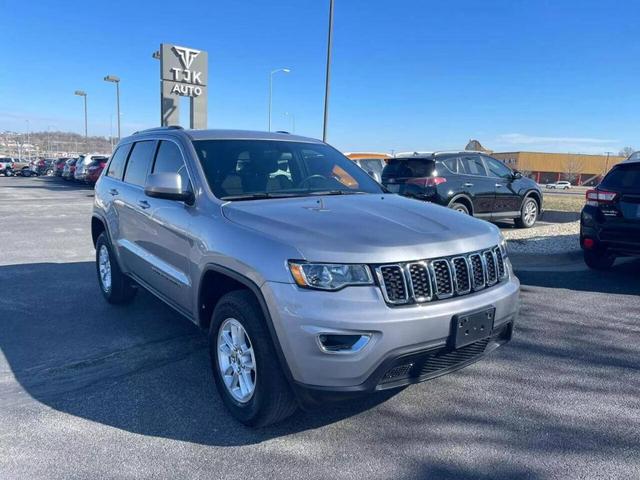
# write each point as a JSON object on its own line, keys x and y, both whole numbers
{"x": 273, "y": 72}
{"x": 116, "y": 80}
{"x": 28, "y": 143}
{"x": 82, "y": 93}
{"x": 328, "y": 76}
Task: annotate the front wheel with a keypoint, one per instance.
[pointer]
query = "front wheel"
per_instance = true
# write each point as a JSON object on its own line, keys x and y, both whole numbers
{"x": 26, "y": 172}
{"x": 244, "y": 362}
{"x": 528, "y": 214}
{"x": 459, "y": 207}
{"x": 115, "y": 286}
{"x": 598, "y": 259}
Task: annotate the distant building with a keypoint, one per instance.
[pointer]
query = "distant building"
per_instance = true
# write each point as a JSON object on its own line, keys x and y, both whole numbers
{"x": 577, "y": 168}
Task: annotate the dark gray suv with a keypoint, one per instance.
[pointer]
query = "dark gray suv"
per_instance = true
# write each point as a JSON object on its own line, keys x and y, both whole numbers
{"x": 311, "y": 281}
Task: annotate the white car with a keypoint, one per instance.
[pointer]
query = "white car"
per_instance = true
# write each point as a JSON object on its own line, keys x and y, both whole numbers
{"x": 562, "y": 185}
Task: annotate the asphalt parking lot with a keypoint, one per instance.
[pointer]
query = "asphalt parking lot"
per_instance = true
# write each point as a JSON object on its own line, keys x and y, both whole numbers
{"x": 88, "y": 390}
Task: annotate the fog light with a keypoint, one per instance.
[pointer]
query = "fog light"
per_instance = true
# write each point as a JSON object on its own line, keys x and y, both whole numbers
{"x": 588, "y": 243}
{"x": 335, "y": 343}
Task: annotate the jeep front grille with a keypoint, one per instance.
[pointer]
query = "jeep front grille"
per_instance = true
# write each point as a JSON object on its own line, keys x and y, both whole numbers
{"x": 440, "y": 278}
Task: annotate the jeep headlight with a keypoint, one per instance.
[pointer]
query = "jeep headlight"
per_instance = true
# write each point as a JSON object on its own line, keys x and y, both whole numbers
{"x": 329, "y": 276}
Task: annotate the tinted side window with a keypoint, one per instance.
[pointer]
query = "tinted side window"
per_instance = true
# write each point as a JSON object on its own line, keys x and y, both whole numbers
{"x": 138, "y": 164}
{"x": 472, "y": 165}
{"x": 452, "y": 164}
{"x": 116, "y": 166}
{"x": 169, "y": 159}
{"x": 497, "y": 168}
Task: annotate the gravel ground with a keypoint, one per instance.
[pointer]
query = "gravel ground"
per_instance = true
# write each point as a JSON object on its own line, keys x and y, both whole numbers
{"x": 544, "y": 238}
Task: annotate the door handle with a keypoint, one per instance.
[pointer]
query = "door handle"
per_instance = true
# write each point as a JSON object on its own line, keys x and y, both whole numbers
{"x": 468, "y": 184}
{"x": 143, "y": 204}
{"x": 113, "y": 192}
{"x": 498, "y": 185}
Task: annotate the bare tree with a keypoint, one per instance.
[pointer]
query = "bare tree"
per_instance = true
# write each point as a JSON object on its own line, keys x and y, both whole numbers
{"x": 573, "y": 168}
{"x": 626, "y": 151}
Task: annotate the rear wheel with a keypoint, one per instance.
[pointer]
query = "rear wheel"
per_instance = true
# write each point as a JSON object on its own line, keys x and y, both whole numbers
{"x": 459, "y": 207}
{"x": 26, "y": 172}
{"x": 528, "y": 214}
{"x": 598, "y": 259}
{"x": 245, "y": 365}
{"x": 115, "y": 286}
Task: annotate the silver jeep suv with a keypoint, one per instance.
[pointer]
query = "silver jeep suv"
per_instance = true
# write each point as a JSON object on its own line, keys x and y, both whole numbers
{"x": 312, "y": 281}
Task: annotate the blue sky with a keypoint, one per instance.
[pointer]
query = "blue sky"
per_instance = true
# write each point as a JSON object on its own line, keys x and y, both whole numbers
{"x": 407, "y": 74}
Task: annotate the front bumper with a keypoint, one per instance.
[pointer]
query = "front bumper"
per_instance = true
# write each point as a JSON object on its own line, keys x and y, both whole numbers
{"x": 299, "y": 316}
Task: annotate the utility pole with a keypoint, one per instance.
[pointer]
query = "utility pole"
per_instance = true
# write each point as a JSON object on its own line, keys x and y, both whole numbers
{"x": 328, "y": 75}
{"x": 606, "y": 165}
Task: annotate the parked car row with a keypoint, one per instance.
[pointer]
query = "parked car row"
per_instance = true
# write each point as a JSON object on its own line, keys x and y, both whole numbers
{"x": 85, "y": 168}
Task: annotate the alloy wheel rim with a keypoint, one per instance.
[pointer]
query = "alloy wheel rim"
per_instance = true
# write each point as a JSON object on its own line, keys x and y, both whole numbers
{"x": 530, "y": 212}
{"x": 104, "y": 266}
{"x": 236, "y": 360}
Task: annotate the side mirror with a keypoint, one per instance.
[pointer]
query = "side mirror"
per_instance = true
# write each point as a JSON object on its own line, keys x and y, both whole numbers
{"x": 169, "y": 186}
{"x": 517, "y": 174}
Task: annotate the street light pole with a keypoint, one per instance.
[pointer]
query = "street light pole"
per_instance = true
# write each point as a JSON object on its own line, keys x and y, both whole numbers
{"x": 328, "y": 75}
{"x": 82, "y": 93}
{"x": 284, "y": 70}
{"x": 116, "y": 80}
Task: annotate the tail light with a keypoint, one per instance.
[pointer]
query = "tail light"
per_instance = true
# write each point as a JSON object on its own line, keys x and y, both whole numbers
{"x": 426, "y": 181}
{"x": 600, "y": 197}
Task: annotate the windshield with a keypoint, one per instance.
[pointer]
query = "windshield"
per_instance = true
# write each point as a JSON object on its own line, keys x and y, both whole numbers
{"x": 251, "y": 169}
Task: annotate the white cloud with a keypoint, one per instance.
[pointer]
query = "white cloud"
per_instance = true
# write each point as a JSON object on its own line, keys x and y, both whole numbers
{"x": 520, "y": 141}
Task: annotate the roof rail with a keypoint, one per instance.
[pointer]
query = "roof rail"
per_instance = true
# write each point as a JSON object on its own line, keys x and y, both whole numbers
{"x": 283, "y": 131}
{"x": 155, "y": 129}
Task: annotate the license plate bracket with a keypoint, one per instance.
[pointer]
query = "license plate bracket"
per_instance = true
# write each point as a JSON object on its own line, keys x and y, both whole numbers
{"x": 473, "y": 326}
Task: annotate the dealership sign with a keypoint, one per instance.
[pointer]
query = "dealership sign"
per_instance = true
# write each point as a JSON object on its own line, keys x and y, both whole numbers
{"x": 184, "y": 73}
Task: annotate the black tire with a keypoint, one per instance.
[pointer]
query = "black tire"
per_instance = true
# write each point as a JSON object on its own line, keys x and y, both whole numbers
{"x": 122, "y": 288}
{"x": 598, "y": 259}
{"x": 272, "y": 399}
{"x": 25, "y": 172}
{"x": 459, "y": 207}
{"x": 525, "y": 220}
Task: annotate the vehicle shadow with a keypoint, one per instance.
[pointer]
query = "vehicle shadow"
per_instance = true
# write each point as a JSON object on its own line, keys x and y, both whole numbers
{"x": 621, "y": 279}
{"x": 44, "y": 182}
{"x": 141, "y": 368}
{"x": 557, "y": 391}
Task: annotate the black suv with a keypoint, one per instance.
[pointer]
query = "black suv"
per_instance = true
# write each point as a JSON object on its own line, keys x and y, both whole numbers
{"x": 469, "y": 182}
{"x": 610, "y": 220}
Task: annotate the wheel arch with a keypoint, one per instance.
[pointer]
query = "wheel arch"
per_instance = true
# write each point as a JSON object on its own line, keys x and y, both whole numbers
{"x": 464, "y": 199}
{"x": 207, "y": 287}
{"x": 537, "y": 196}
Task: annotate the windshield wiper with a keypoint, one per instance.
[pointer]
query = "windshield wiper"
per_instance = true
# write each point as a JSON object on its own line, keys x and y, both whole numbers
{"x": 335, "y": 192}
{"x": 258, "y": 196}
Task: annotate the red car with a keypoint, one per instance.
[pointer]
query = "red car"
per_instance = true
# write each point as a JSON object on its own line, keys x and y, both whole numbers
{"x": 94, "y": 169}
{"x": 58, "y": 166}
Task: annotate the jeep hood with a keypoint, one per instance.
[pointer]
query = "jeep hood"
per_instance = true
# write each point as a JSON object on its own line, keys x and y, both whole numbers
{"x": 363, "y": 228}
